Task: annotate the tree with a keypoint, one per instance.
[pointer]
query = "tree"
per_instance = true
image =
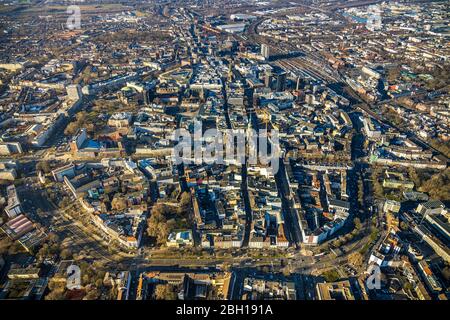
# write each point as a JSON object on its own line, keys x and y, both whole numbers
{"x": 331, "y": 275}
{"x": 43, "y": 252}
{"x": 65, "y": 202}
{"x": 90, "y": 128}
{"x": 286, "y": 272}
{"x": 393, "y": 74}
{"x": 185, "y": 199}
{"x": 357, "y": 223}
{"x": 407, "y": 286}
{"x": 337, "y": 243}
{"x": 157, "y": 224}
{"x": 377, "y": 187}
{"x": 99, "y": 283}
{"x": 162, "y": 234}
{"x": 15, "y": 247}
{"x": 165, "y": 292}
{"x": 446, "y": 273}
{"x": 185, "y": 204}
{"x": 404, "y": 226}
{"x": 73, "y": 127}
{"x": 43, "y": 166}
{"x": 92, "y": 294}
{"x": 119, "y": 203}
{"x": 440, "y": 145}
{"x": 58, "y": 293}
{"x": 5, "y": 244}
{"x": 355, "y": 259}
{"x": 438, "y": 186}
{"x": 53, "y": 237}
{"x": 360, "y": 192}
{"x": 66, "y": 254}
{"x": 412, "y": 173}
{"x": 156, "y": 218}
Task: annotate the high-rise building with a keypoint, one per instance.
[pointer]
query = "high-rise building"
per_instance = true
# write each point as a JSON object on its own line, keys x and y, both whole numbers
{"x": 268, "y": 78}
{"x": 299, "y": 84}
{"x": 265, "y": 51}
{"x": 166, "y": 11}
{"x": 148, "y": 96}
{"x": 280, "y": 81}
{"x": 374, "y": 21}
{"x": 230, "y": 71}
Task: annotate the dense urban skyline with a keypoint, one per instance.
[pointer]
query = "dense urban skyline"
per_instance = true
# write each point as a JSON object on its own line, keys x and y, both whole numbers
{"x": 224, "y": 150}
